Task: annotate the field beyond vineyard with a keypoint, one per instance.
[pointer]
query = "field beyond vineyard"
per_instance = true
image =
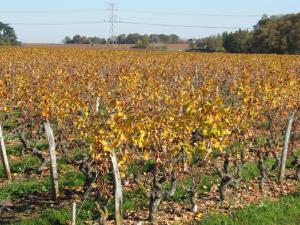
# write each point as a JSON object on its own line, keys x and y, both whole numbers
{"x": 169, "y": 137}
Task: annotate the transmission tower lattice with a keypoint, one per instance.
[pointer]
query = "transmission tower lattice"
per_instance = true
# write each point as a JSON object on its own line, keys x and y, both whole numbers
{"x": 112, "y": 20}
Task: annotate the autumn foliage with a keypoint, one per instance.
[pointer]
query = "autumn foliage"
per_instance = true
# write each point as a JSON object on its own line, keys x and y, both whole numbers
{"x": 175, "y": 109}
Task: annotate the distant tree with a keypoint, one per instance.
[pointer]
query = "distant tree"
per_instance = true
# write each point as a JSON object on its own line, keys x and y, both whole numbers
{"x": 122, "y": 39}
{"x": 133, "y": 38}
{"x": 238, "y": 42}
{"x": 142, "y": 43}
{"x": 125, "y": 39}
{"x": 7, "y": 35}
{"x": 67, "y": 40}
{"x": 266, "y": 37}
{"x": 277, "y": 34}
{"x": 164, "y": 38}
{"x": 173, "y": 39}
{"x": 212, "y": 43}
{"x": 78, "y": 39}
{"x": 96, "y": 40}
{"x": 274, "y": 34}
{"x": 85, "y": 40}
{"x": 154, "y": 38}
{"x": 109, "y": 41}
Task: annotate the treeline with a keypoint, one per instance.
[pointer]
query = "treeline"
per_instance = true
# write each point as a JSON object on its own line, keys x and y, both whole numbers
{"x": 133, "y": 38}
{"x": 78, "y": 39}
{"x": 8, "y": 35}
{"x": 152, "y": 38}
{"x": 275, "y": 34}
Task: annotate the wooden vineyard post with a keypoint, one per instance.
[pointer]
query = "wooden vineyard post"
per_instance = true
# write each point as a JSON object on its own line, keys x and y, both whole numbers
{"x": 97, "y": 104}
{"x": 118, "y": 196}
{"x": 4, "y": 157}
{"x": 74, "y": 213}
{"x": 285, "y": 147}
{"x": 53, "y": 166}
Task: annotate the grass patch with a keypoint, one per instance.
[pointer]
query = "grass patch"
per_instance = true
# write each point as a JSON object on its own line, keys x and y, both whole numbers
{"x": 48, "y": 217}
{"x": 59, "y": 216}
{"x": 284, "y": 211}
{"x": 24, "y": 188}
{"x": 140, "y": 167}
{"x": 72, "y": 179}
{"x": 41, "y": 145}
{"x": 205, "y": 185}
{"x": 135, "y": 200}
{"x": 14, "y": 149}
{"x": 10, "y": 123}
{"x": 19, "y": 189}
{"x": 249, "y": 171}
{"x": 27, "y": 163}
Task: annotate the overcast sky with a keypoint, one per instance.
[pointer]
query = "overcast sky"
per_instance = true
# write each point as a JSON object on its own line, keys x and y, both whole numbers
{"x": 25, "y": 16}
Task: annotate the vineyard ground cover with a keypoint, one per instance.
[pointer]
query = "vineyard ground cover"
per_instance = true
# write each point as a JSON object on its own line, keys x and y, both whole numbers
{"x": 36, "y": 187}
{"x": 29, "y": 194}
{"x": 281, "y": 212}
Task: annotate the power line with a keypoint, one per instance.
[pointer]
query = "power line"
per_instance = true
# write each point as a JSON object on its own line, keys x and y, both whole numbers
{"x": 184, "y": 26}
{"x": 131, "y": 11}
{"x": 54, "y": 11}
{"x": 189, "y": 14}
{"x": 128, "y": 22}
{"x": 55, "y": 23}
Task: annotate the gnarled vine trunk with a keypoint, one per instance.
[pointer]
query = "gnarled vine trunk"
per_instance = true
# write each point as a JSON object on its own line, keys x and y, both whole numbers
{"x": 158, "y": 193}
{"x": 193, "y": 195}
{"x": 155, "y": 199}
{"x": 298, "y": 172}
{"x": 227, "y": 177}
{"x": 27, "y": 145}
{"x": 262, "y": 170}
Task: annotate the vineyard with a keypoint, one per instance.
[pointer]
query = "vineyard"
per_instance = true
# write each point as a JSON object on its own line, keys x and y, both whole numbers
{"x": 145, "y": 137}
